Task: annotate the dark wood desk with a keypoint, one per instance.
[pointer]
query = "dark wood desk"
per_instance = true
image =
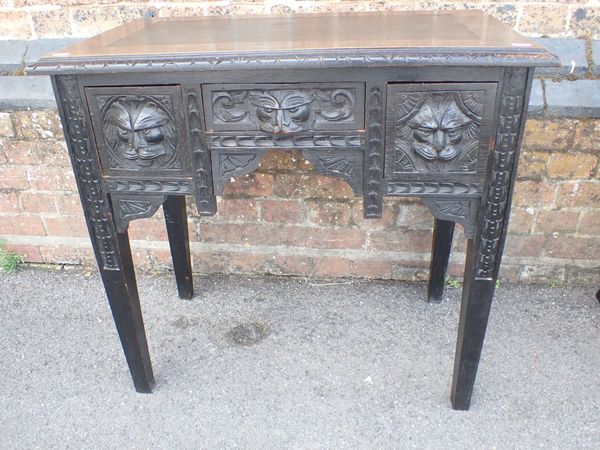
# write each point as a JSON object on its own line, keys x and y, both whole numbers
{"x": 404, "y": 104}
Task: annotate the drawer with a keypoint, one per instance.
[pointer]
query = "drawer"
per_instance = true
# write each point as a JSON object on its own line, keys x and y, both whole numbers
{"x": 438, "y": 131}
{"x": 139, "y": 128}
{"x": 284, "y": 108}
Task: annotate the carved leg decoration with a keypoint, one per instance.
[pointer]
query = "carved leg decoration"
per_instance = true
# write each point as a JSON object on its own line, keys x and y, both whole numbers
{"x": 440, "y": 254}
{"x": 485, "y": 251}
{"x": 177, "y": 229}
{"x": 111, "y": 248}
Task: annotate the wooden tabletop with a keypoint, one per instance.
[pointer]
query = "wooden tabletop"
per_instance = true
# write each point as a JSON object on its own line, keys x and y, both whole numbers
{"x": 300, "y": 34}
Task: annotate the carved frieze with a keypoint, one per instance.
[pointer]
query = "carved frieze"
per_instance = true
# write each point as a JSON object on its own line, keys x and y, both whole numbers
{"x": 286, "y": 141}
{"x": 283, "y": 109}
{"x": 151, "y": 186}
{"x": 427, "y": 188}
{"x": 438, "y": 128}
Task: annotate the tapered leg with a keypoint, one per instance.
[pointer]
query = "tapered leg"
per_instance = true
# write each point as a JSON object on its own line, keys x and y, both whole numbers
{"x": 177, "y": 229}
{"x": 443, "y": 230}
{"x": 474, "y": 313}
{"x": 122, "y": 293}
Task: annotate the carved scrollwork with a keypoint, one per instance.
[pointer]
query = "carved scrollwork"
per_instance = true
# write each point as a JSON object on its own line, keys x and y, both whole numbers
{"x": 139, "y": 131}
{"x": 283, "y": 110}
{"x": 128, "y": 208}
{"x": 426, "y": 188}
{"x": 463, "y": 211}
{"x": 151, "y": 186}
{"x": 291, "y": 141}
{"x": 437, "y": 132}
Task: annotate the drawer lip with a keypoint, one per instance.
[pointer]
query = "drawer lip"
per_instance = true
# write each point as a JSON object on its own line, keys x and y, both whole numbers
{"x": 485, "y": 132}
{"x": 249, "y": 122}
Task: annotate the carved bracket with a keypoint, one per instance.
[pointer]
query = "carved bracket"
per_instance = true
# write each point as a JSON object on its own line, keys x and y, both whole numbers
{"x": 130, "y": 207}
{"x": 229, "y": 164}
{"x": 346, "y": 165}
{"x": 463, "y": 211}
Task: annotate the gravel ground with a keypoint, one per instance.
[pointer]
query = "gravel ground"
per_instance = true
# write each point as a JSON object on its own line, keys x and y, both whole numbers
{"x": 291, "y": 363}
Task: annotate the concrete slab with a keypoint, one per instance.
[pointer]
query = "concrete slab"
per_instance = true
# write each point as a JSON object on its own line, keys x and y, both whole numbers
{"x": 596, "y": 57}
{"x": 343, "y": 365}
{"x": 20, "y": 92}
{"x": 40, "y": 47}
{"x": 580, "y": 98}
{"x": 572, "y": 56}
{"x": 12, "y": 54}
{"x": 536, "y": 100}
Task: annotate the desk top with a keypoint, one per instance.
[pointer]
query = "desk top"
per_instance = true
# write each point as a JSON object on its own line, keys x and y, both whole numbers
{"x": 335, "y": 39}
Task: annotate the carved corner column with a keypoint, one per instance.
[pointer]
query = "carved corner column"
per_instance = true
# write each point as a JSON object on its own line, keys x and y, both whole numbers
{"x": 111, "y": 248}
{"x": 373, "y": 175}
{"x": 485, "y": 251}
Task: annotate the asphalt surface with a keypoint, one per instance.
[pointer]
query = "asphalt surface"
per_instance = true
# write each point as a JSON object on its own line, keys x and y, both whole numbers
{"x": 292, "y": 363}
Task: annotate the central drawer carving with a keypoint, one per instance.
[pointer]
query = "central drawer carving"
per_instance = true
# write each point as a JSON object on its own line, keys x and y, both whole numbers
{"x": 284, "y": 108}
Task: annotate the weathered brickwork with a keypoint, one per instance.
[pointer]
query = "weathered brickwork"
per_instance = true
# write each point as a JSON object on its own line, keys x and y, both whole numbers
{"x": 286, "y": 219}
{"x": 31, "y": 19}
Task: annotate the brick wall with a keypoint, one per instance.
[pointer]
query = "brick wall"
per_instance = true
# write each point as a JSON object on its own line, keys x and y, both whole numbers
{"x": 286, "y": 219}
{"x": 31, "y": 19}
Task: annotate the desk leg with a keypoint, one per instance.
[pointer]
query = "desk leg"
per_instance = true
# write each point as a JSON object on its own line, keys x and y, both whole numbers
{"x": 122, "y": 293}
{"x": 177, "y": 229}
{"x": 443, "y": 231}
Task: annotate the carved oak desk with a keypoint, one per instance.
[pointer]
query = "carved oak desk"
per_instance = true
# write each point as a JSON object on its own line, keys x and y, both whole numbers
{"x": 401, "y": 104}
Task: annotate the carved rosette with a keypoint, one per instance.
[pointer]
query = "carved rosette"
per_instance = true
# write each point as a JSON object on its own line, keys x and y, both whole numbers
{"x": 282, "y": 110}
{"x": 437, "y": 131}
{"x": 502, "y": 168}
{"x": 85, "y": 166}
{"x": 139, "y": 131}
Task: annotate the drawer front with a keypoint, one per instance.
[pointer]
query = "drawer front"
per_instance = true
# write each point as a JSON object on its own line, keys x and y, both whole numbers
{"x": 284, "y": 108}
{"x": 139, "y": 129}
{"x": 438, "y": 131}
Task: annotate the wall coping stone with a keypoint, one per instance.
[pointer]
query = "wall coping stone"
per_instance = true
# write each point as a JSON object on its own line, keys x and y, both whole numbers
{"x": 549, "y": 98}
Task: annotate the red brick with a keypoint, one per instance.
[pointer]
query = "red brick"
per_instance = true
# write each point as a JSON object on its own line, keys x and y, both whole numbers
{"x": 372, "y": 268}
{"x": 533, "y": 165}
{"x": 279, "y": 160}
{"x": 387, "y": 219}
{"x": 15, "y": 25}
{"x": 546, "y": 135}
{"x": 415, "y": 216}
{"x": 247, "y": 262}
{"x": 401, "y": 240}
{"x": 573, "y": 247}
{"x": 296, "y": 185}
{"x": 579, "y": 194}
{"x": 289, "y": 265}
{"x": 35, "y": 125}
{"x": 590, "y": 223}
{"x": 22, "y": 225}
{"x": 521, "y": 220}
{"x": 285, "y": 211}
{"x": 64, "y": 254}
{"x": 533, "y": 193}
{"x": 30, "y": 253}
{"x": 66, "y": 226}
{"x": 313, "y": 237}
{"x": 330, "y": 213}
{"x": 151, "y": 229}
{"x": 237, "y": 209}
{"x": 69, "y": 204}
{"x": 247, "y": 234}
{"x": 9, "y": 202}
{"x": 555, "y": 221}
{"x": 52, "y": 179}
{"x": 586, "y": 135}
{"x": 571, "y": 166}
{"x": 208, "y": 262}
{"x": 37, "y": 203}
{"x": 14, "y": 178}
{"x": 520, "y": 245}
{"x": 6, "y": 127}
{"x": 332, "y": 266}
{"x": 46, "y": 153}
{"x": 253, "y": 185}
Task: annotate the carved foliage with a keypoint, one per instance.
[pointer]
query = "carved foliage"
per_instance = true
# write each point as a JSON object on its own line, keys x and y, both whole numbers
{"x": 229, "y": 164}
{"x": 205, "y": 199}
{"x": 277, "y": 111}
{"x": 128, "y": 208}
{"x": 373, "y": 200}
{"x": 437, "y": 131}
{"x": 463, "y": 211}
{"x": 150, "y": 186}
{"x": 95, "y": 203}
{"x": 139, "y": 131}
{"x": 291, "y": 141}
{"x": 425, "y": 188}
{"x": 346, "y": 165}
{"x": 502, "y": 167}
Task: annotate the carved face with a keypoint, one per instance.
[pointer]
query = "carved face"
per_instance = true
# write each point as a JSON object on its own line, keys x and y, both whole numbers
{"x": 137, "y": 129}
{"x": 438, "y": 127}
{"x": 282, "y": 112}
